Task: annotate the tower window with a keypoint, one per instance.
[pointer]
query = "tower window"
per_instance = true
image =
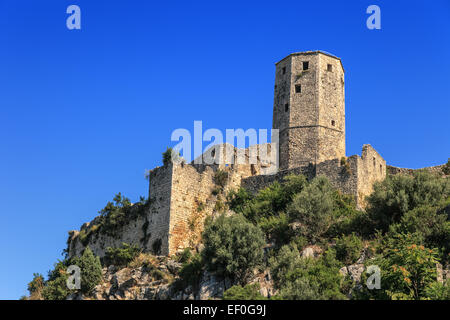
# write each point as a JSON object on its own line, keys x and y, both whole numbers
{"x": 283, "y": 70}
{"x": 305, "y": 65}
{"x": 381, "y": 168}
{"x": 329, "y": 67}
{"x": 374, "y": 162}
{"x": 333, "y": 123}
{"x": 298, "y": 88}
{"x": 286, "y": 107}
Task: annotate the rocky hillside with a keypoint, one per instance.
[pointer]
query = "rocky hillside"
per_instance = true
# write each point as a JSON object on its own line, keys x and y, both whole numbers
{"x": 297, "y": 239}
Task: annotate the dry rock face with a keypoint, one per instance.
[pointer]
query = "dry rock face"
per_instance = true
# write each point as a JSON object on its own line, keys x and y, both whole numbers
{"x": 144, "y": 283}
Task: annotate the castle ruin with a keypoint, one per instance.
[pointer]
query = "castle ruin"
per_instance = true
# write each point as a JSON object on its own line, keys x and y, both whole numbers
{"x": 309, "y": 111}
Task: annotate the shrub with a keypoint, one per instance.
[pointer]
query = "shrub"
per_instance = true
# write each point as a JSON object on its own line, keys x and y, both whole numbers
{"x": 56, "y": 286}
{"x": 114, "y": 215}
{"x": 283, "y": 262}
{"x": 233, "y": 246}
{"x": 36, "y": 286}
{"x": 313, "y": 207}
{"x": 221, "y": 178}
{"x": 185, "y": 256}
{"x": 121, "y": 256}
{"x": 56, "y": 289}
{"x": 248, "y": 292}
{"x": 191, "y": 273}
{"x": 142, "y": 260}
{"x": 277, "y": 228}
{"x": 91, "y": 270}
{"x": 269, "y": 201}
{"x": 432, "y": 226}
{"x": 398, "y": 194}
{"x": 348, "y": 248}
{"x": 169, "y": 156}
{"x": 219, "y": 206}
{"x": 306, "y": 278}
{"x": 408, "y": 268}
{"x": 238, "y": 200}
{"x": 438, "y": 291}
{"x": 446, "y": 168}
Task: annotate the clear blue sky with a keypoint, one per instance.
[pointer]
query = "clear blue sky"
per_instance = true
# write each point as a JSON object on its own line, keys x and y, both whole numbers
{"x": 84, "y": 113}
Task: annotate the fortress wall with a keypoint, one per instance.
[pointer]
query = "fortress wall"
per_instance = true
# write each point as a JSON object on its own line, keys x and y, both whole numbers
{"x": 396, "y": 170}
{"x": 194, "y": 195}
{"x": 131, "y": 232}
{"x": 372, "y": 168}
{"x": 191, "y": 202}
{"x": 141, "y": 229}
{"x": 341, "y": 178}
{"x": 356, "y": 178}
{"x": 158, "y": 216}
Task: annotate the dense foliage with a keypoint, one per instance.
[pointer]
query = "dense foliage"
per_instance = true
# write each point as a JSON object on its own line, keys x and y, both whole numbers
{"x": 55, "y": 287}
{"x": 248, "y": 292}
{"x": 405, "y": 231}
{"x": 114, "y": 215}
{"x": 233, "y": 247}
{"x": 121, "y": 256}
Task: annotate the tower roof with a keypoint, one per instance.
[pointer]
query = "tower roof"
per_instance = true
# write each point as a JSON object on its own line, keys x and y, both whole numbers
{"x": 311, "y": 53}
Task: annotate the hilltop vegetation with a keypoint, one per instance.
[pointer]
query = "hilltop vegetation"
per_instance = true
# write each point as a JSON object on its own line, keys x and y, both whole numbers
{"x": 405, "y": 231}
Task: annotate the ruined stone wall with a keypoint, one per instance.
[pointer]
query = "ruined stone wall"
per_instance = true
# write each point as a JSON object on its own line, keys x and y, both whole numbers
{"x": 181, "y": 196}
{"x": 98, "y": 242}
{"x": 196, "y": 194}
{"x": 396, "y": 170}
{"x": 372, "y": 168}
{"x": 192, "y": 200}
{"x": 354, "y": 175}
{"x": 144, "y": 229}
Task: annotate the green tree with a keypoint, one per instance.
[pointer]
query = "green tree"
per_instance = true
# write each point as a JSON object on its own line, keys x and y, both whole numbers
{"x": 248, "y": 292}
{"x": 91, "y": 270}
{"x": 121, "y": 256}
{"x": 36, "y": 286}
{"x": 313, "y": 208}
{"x": 348, "y": 248}
{"x": 56, "y": 285}
{"x": 233, "y": 246}
{"x": 398, "y": 194}
{"x": 408, "y": 269}
{"x": 300, "y": 278}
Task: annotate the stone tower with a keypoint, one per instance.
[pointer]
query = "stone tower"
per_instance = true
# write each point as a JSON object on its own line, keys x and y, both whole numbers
{"x": 309, "y": 108}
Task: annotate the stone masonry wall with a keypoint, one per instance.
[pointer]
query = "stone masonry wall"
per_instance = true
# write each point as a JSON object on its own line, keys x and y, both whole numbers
{"x": 196, "y": 195}
{"x": 181, "y": 196}
{"x": 355, "y": 176}
{"x": 143, "y": 229}
{"x": 396, "y": 170}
